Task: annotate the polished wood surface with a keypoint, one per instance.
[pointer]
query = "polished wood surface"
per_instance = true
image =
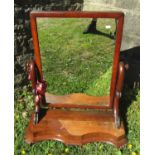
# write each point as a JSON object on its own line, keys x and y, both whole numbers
{"x": 77, "y": 100}
{"x": 118, "y": 93}
{"x": 77, "y": 14}
{"x": 76, "y": 127}
{"x": 119, "y": 16}
{"x": 119, "y": 33}
{"x": 30, "y": 66}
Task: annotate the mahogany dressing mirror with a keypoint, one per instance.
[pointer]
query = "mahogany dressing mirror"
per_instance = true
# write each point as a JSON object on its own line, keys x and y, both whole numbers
{"x": 76, "y": 77}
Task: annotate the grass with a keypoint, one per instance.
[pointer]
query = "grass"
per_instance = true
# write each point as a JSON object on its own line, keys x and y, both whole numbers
{"x": 71, "y": 60}
{"x": 80, "y": 64}
{"x": 23, "y": 110}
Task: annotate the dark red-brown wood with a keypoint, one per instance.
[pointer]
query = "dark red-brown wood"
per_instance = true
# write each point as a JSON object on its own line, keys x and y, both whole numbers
{"x": 77, "y": 100}
{"x": 78, "y": 14}
{"x": 79, "y": 126}
{"x": 76, "y": 127}
{"x": 118, "y": 93}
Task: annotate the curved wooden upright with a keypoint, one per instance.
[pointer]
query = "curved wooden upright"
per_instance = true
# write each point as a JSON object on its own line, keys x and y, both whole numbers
{"x": 76, "y": 118}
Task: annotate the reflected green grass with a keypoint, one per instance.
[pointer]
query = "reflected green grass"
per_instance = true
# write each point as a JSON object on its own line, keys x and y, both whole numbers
{"x": 71, "y": 60}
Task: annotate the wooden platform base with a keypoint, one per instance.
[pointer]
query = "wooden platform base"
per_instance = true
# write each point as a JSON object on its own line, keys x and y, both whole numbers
{"x": 76, "y": 127}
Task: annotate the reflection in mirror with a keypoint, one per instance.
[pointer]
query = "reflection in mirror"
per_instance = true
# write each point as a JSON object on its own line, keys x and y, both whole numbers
{"x": 77, "y": 54}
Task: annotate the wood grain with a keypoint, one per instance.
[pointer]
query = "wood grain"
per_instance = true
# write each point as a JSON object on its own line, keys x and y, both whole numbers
{"x": 76, "y": 127}
{"x": 119, "y": 16}
{"x": 77, "y": 100}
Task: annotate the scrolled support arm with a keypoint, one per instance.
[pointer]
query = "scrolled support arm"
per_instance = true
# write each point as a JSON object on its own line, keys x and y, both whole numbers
{"x": 30, "y": 66}
{"x": 38, "y": 86}
{"x": 118, "y": 93}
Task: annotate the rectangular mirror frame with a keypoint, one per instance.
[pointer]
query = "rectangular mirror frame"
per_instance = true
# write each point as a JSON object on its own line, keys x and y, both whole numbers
{"x": 119, "y": 16}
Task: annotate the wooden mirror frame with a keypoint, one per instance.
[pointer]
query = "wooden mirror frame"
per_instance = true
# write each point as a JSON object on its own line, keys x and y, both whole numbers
{"x": 34, "y": 68}
{"x": 119, "y": 16}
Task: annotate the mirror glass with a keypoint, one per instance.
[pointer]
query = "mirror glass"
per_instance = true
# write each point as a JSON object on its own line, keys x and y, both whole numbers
{"x": 77, "y": 54}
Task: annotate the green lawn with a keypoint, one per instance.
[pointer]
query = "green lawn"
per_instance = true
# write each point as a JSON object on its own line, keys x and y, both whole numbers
{"x": 73, "y": 61}
{"x": 23, "y": 110}
{"x": 81, "y": 63}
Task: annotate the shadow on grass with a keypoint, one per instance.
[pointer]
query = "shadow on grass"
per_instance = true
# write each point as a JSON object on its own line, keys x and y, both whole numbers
{"x": 97, "y": 32}
{"x": 91, "y": 29}
{"x": 132, "y": 80}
